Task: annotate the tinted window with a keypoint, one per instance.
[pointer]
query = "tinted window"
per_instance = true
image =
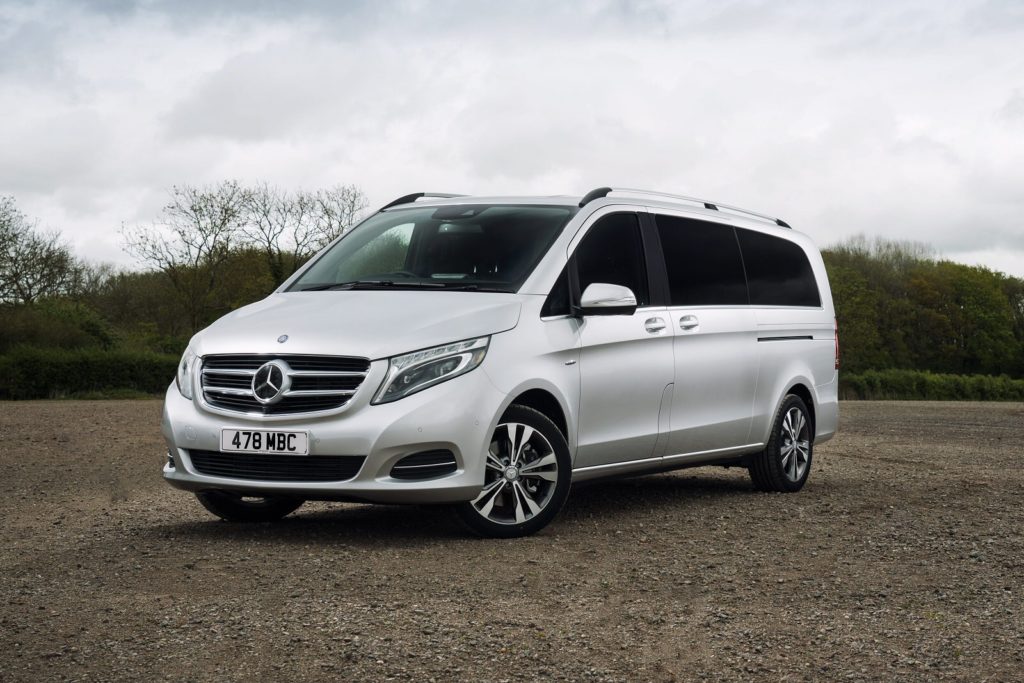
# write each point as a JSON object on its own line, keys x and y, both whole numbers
{"x": 778, "y": 271}
{"x": 612, "y": 252}
{"x": 703, "y": 263}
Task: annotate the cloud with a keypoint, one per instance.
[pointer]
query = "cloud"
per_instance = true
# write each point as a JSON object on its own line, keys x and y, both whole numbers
{"x": 901, "y": 120}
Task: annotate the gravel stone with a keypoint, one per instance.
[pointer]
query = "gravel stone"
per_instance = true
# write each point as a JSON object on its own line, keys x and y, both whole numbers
{"x": 901, "y": 559}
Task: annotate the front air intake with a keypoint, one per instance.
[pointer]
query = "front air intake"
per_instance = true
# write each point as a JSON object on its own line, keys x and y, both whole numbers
{"x": 268, "y": 467}
{"x": 425, "y": 465}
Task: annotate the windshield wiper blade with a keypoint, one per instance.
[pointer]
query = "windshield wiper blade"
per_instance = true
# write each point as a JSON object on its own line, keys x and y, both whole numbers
{"x": 351, "y": 284}
{"x": 476, "y": 288}
{"x": 373, "y": 284}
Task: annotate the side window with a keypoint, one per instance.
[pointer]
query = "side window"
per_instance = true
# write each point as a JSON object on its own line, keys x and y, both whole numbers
{"x": 612, "y": 252}
{"x": 778, "y": 271}
{"x": 557, "y": 302}
{"x": 703, "y": 263}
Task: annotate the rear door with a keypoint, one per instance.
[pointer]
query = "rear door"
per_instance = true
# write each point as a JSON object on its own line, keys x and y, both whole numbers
{"x": 796, "y": 333}
{"x": 626, "y": 361}
{"x": 714, "y": 332}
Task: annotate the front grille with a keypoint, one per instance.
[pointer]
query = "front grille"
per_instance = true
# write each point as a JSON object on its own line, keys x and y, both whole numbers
{"x": 316, "y": 382}
{"x": 266, "y": 467}
{"x": 425, "y": 465}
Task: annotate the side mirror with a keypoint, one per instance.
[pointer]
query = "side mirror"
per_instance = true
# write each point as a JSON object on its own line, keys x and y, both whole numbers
{"x": 601, "y": 298}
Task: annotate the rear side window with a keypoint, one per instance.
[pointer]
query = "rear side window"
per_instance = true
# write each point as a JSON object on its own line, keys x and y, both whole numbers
{"x": 612, "y": 252}
{"x": 703, "y": 263}
{"x": 778, "y": 271}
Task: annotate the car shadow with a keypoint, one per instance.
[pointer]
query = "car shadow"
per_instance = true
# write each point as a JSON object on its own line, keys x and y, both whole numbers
{"x": 674, "y": 489}
{"x": 615, "y": 502}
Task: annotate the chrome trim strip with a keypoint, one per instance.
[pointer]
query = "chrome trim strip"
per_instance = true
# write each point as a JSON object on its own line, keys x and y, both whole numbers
{"x": 697, "y": 454}
{"x": 416, "y": 467}
{"x": 682, "y": 457}
{"x": 228, "y": 391}
{"x": 613, "y": 465}
{"x": 320, "y": 392}
{"x": 326, "y": 373}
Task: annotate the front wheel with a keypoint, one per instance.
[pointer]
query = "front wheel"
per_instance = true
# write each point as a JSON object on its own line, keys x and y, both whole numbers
{"x": 785, "y": 462}
{"x": 526, "y": 479}
{"x": 236, "y": 507}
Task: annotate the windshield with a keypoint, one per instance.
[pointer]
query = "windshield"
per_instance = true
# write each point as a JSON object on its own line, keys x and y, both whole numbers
{"x": 471, "y": 247}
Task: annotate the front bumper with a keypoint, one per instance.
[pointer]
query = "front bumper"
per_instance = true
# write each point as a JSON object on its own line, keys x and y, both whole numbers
{"x": 458, "y": 415}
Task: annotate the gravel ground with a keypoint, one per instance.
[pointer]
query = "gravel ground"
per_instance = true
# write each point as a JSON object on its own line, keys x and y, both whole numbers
{"x": 902, "y": 559}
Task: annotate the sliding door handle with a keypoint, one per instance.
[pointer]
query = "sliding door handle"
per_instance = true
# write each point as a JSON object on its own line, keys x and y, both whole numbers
{"x": 688, "y": 322}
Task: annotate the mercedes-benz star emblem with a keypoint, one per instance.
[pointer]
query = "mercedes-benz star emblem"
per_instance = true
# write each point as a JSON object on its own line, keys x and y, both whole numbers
{"x": 271, "y": 381}
{"x": 282, "y": 339}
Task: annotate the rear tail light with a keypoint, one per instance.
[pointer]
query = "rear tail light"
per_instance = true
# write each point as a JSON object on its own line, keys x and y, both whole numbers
{"x": 837, "y": 344}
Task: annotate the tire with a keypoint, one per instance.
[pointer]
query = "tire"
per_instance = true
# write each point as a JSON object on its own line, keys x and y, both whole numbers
{"x": 526, "y": 479}
{"x": 783, "y": 466}
{"x": 235, "y": 507}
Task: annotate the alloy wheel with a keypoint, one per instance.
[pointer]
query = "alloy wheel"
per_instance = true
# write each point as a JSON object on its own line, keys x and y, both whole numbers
{"x": 796, "y": 446}
{"x": 521, "y": 474}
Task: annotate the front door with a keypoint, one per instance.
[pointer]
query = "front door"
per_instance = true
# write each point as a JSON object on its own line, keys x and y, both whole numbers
{"x": 626, "y": 362}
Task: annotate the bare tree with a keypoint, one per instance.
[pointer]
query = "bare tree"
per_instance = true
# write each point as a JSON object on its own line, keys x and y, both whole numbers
{"x": 290, "y": 227}
{"x": 192, "y": 241}
{"x": 279, "y": 225}
{"x": 33, "y": 264}
{"x": 338, "y": 209}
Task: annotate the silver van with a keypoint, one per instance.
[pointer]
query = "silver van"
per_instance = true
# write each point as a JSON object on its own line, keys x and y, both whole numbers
{"x": 487, "y": 352}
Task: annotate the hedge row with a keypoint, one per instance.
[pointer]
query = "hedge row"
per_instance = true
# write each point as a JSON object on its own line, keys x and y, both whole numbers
{"x": 27, "y": 373}
{"x": 909, "y": 385}
{"x": 52, "y": 373}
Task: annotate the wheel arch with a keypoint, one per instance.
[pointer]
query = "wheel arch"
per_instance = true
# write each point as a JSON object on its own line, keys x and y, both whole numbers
{"x": 544, "y": 402}
{"x": 549, "y": 401}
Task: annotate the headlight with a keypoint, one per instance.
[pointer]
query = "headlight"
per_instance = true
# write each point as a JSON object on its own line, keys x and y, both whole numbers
{"x": 184, "y": 377}
{"x": 418, "y": 370}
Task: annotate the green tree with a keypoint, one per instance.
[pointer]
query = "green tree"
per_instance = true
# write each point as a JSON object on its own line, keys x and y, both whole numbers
{"x": 857, "y": 305}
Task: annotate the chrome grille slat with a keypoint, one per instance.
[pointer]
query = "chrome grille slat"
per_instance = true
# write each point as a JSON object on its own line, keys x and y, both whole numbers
{"x": 228, "y": 391}
{"x": 314, "y": 373}
{"x": 321, "y": 383}
{"x": 228, "y": 371}
{"x": 324, "y": 392}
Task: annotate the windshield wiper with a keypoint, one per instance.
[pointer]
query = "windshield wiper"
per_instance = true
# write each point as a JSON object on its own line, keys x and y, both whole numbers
{"x": 476, "y": 288}
{"x": 373, "y": 284}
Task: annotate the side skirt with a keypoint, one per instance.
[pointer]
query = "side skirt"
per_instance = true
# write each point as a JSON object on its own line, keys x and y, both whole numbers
{"x": 722, "y": 456}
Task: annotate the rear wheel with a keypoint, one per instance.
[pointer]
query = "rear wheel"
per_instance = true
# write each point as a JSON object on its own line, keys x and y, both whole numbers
{"x": 526, "y": 479}
{"x": 237, "y": 507}
{"x": 785, "y": 463}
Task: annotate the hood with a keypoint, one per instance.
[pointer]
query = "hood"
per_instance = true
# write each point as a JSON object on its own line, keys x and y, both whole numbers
{"x": 372, "y": 324}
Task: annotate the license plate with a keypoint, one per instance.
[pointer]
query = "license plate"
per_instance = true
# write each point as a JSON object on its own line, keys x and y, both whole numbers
{"x": 264, "y": 441}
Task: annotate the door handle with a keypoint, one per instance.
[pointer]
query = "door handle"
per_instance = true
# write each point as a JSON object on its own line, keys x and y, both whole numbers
{"x": 688, "y": 322}
{"x": 654, "y": 325}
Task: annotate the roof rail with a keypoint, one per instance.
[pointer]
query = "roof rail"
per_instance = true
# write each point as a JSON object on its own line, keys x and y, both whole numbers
{"x": 409, "y": 198}
{"x": 596, "y": 193}
{"x": 713, "y": 206}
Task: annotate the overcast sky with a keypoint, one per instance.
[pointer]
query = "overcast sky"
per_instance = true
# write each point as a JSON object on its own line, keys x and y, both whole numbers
{"x": 902, "y": 119}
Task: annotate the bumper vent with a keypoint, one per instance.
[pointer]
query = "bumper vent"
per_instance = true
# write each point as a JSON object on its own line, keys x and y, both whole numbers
{"x": 425, "y": 465}
{"x": 307, "y": 384}
{"x": 261, "y": 467}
